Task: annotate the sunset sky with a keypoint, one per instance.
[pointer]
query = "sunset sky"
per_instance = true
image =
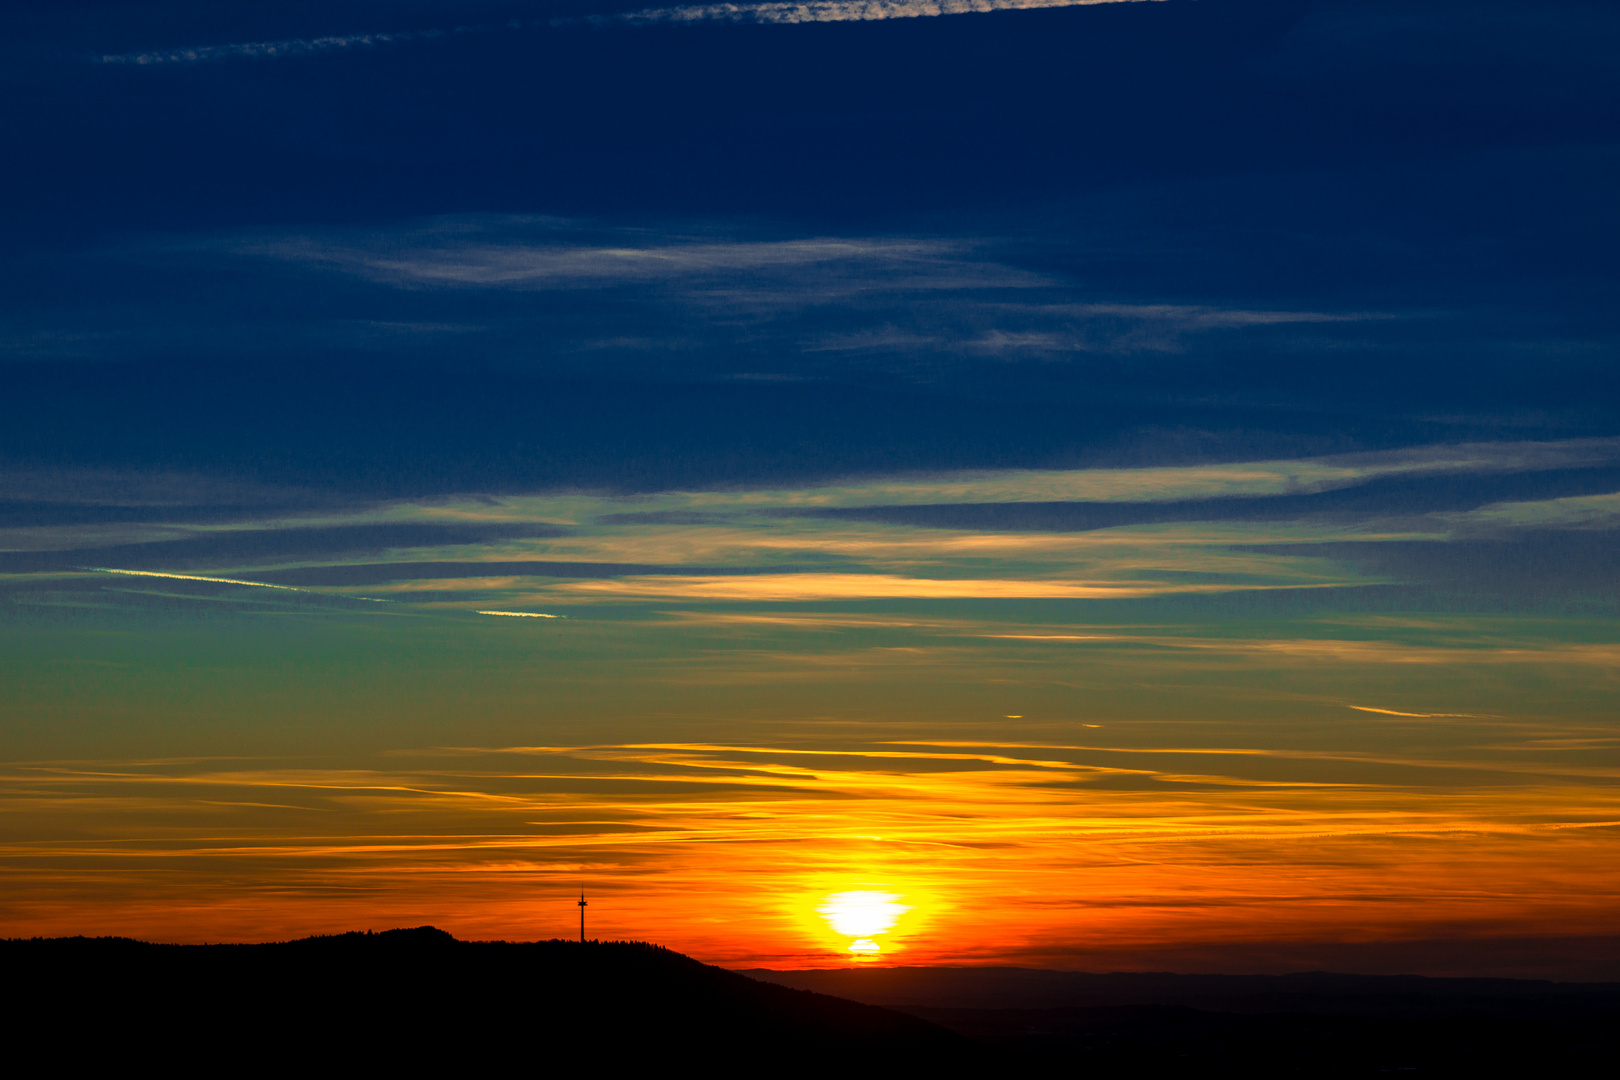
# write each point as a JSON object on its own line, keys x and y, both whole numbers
{"x": 1107, "y": 485}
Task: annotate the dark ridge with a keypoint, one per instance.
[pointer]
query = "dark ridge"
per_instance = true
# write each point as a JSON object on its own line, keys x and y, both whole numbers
{"x": 420, "y": 998}
{"x": 1389, "y": 496}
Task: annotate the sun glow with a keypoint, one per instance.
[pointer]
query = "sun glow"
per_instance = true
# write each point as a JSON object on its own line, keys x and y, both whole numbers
{"x": 862, "y": 914}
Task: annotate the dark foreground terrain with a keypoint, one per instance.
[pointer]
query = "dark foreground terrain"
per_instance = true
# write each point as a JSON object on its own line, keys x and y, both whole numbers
{"x": 1311, "y": 1024}
{"x": 419, "y": 1001}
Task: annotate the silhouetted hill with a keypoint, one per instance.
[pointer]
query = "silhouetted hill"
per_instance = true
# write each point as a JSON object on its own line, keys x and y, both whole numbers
{"x": 420, "y": 999}
{"x": 415, "y": 1001}
{"x": 1309, "y": 1024}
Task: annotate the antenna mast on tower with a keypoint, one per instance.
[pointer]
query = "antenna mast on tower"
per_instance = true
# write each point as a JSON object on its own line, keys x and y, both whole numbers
{"x": 582, "y": 906}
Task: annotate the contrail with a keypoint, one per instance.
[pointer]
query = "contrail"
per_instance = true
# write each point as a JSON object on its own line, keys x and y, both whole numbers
{"x": 217, "y": 581}
{"x": 1422, "y": 715}
{"x": 811, "y": 11}
{"x": 191, "y": 577}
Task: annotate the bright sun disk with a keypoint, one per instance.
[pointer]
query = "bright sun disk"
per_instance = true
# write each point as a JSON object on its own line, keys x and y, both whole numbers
{"x": 862, "y": 914}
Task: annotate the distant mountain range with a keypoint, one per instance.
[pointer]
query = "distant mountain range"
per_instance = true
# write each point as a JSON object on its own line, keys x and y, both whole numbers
{"x": 1309, "y": 1024}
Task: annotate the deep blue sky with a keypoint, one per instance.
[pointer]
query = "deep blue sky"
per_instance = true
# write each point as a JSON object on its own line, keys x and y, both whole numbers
{"x": 1123, "y": 233}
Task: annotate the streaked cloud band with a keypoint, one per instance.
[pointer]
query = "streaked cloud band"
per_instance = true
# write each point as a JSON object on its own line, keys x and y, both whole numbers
{"x": 820, "y": 11}
{"x": 839, "y": 10}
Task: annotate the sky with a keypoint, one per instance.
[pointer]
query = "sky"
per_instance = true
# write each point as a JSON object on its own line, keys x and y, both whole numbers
{"x": 1112, "y": 486}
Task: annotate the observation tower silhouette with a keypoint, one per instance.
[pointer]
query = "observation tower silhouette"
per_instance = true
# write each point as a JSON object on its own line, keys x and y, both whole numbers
{"x": 582, "y": 906}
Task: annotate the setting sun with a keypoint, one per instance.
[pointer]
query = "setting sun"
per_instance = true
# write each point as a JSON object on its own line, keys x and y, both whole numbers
{"x": 862, "y": 914}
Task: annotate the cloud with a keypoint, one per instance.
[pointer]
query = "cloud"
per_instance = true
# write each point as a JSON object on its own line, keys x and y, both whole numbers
{"x": 1123, "y": 328}
{"x": 813, "y": 587}
{"x": 1313, "y": 652}
{"x": 1299, "y": 476}
{"x": 1206, "y": 317}
{"x": 751, "y": 301}
{"x": 523, "y": 266}
{"x": 1582, "y": 511}
{"x": 1060, "y": 534}
{"x": 820, "y": 11}
{"x": 528, "y": 254}
{"x": 881, "y": 339}
{"x": 1417, "y": 715}
{"x": 269, "y": 50}
{"x": 777, "y": 275}
{"x": 342, "y": 575}
{"x": 1388, "y": 652}
{"x": 246, "y": 545}
{"x": 813, "y": 11}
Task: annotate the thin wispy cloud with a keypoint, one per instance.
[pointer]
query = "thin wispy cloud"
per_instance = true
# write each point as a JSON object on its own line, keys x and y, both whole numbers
{"x": 1585, "y": 511}
{"x": 802, "y": 588}
{"x": 525, "y": 255}
{"x": 1416, "y": 715}
{"x": 821, "y": 11}
{"x": 1251, "y": 478}
{"x": 267, "y": 50}
{"x": 770, "y": 303}
{"x": 816, "y": 11}
{"x": 1207, "y": 317}
{"x": 1121, "y": 328}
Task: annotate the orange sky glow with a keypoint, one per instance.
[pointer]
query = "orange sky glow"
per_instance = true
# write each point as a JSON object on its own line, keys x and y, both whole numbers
{"x": 1215, "y": 759}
